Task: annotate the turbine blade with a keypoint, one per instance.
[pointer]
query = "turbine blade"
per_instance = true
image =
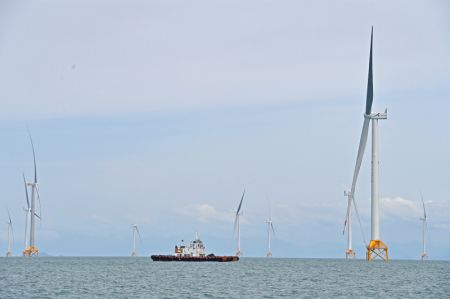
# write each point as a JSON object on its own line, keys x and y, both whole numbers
{"x": 423, "y": 204}
{"x": 137, "y": 230}
{"x": 26, "y": 227}
{"x": 359, "y": 221}
{"x": 35, "y": 214}
{"x": 349, "y": 204}
{"x": 26, "y": 190}
{"x": 39, "y": 201}
{"x": 34, "y": 157}
{"x": 9, "y": 216}
{"x": 12, "y": 233}
{"x": 361, "y": 149}
{"x": 273, "y": 230}
{"x": 369, "y": 98}
{"x": 235, "y": 225}
{"x": 240, "y": 203}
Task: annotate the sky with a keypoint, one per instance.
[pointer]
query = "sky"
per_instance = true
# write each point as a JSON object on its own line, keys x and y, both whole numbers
{"x": 160, "y": 113}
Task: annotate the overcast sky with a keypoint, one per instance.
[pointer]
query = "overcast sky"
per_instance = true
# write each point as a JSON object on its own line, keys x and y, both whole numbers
{"x": 160, "y": 112}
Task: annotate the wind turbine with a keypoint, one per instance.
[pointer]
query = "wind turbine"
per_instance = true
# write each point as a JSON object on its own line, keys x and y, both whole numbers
{"x": 32, "y": 250}
{"x": 10, "y": 236}
{"x": 270, "y": 230}
{"x": 135, "y": 231}
{"x": 424, "y": 254}
{"x": 237, "y": 227}
{"x": 376, "y": 247}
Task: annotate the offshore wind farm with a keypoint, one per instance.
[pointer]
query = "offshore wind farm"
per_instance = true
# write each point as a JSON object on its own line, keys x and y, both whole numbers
{"x": 376, "y": 248}
{"x": 155, "y": 133}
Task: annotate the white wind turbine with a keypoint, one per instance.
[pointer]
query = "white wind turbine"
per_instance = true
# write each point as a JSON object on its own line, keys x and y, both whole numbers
{"x": 237, "y": 226}
{"x": 270, "y": 230}
{"x": 31, "y": 249}
{"x": 424, "y": 254}
{"x": 10, "y": 236}
{"x": 376, "y": 247}
{"x": 135, "y": 231}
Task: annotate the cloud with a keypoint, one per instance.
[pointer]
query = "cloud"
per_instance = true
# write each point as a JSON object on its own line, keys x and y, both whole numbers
{"x": 205, "y": 213}
{"x": 401, "y": 207}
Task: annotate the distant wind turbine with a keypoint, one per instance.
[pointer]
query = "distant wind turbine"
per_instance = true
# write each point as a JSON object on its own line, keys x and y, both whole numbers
{"x": 270, "y": 231}
{"x": 135, "y": 231}
{"x": 10, "y": 236}
{"x": 424, "y": 254}
{"x": 237, "y": 226}
{"x": 32, "y": 250}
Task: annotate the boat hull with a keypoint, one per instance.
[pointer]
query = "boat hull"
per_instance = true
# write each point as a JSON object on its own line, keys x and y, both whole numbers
{"x": 172, "y": 258}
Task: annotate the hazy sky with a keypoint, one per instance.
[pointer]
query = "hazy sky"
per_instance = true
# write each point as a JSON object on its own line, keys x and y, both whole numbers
{"x": 160, "y": 112}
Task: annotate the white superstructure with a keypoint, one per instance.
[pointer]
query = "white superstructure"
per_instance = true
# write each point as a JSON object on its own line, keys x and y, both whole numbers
{"x": 195, "y": 249}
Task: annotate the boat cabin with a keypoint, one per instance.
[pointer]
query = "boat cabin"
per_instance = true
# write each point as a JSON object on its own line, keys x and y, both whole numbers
{"x": 195, "y": 249}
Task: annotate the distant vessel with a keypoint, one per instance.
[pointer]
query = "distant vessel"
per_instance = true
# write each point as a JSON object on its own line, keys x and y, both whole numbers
{"x": 195, "y": 252}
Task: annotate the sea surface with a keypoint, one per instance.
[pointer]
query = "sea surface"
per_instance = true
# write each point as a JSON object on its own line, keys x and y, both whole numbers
{"x": 127, "y": 277}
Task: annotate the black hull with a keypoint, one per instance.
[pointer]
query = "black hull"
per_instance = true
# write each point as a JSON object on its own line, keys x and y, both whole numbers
{"x": 171, "y": 258}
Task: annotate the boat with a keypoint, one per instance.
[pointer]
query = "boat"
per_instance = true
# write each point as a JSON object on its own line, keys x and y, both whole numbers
{"x": 195, "y": 252}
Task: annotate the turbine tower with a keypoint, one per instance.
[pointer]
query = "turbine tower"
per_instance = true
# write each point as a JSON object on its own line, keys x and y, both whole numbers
{"x": 237, "y": 227}
{"x": 376, "y": 247}
{"x": 10, "y": 236}
{"x": 135, "y": 231}
{"x": 349, "y": 252}
{"x": 27, "y": 210}
{"x": 270, "y": 230}
{"x": 32, "y": 250}
{"x": 424, "y": 254}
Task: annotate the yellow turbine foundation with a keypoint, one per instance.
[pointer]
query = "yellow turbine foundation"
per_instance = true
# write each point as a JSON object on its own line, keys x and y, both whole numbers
{"x": 424, "y": 256}
{"x": 350, "y": 254}
{"x": 31, "y": 251}
{"x": 377, "y": 249}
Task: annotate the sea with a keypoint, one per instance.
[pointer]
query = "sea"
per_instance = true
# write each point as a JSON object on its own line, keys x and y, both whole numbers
{"x": 140, "y": 277}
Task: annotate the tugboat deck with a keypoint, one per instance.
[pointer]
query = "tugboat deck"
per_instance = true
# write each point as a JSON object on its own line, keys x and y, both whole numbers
{"x": 173, "y": 258}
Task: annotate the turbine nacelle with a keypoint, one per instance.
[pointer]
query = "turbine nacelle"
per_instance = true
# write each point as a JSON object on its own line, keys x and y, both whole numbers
{"x": 378, "y": 115}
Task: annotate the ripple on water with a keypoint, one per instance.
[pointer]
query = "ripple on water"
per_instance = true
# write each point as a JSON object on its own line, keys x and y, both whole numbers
{"x": 48, "y": 277}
